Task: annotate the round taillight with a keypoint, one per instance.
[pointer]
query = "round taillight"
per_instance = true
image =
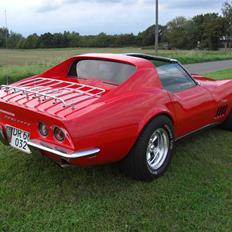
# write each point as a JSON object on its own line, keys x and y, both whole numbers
{"x": 43, "y": 129}
{"x": 59, "y": 134}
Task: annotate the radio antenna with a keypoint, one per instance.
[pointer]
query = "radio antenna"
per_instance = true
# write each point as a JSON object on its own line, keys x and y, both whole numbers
{"x": 6, "y": 29}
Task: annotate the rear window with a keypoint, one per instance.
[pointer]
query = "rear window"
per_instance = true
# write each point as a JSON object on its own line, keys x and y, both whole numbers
{"x": 108, "y": 71}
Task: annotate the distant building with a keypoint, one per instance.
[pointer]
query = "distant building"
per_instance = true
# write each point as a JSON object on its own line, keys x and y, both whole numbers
{"x": 226, "y": 42}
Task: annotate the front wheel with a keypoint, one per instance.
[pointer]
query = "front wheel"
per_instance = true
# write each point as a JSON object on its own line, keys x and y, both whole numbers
{"x": 152, "y": 153}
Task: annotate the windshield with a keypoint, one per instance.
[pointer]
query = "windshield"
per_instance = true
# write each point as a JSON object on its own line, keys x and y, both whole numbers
{"x": 108, "y": 71}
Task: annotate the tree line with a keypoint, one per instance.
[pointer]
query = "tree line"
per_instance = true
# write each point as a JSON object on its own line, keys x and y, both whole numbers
{"x": 205, "y": 31}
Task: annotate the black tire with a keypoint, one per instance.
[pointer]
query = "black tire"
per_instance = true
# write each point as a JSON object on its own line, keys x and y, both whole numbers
{"x": 227, "y": 124}
{"x": 136, "y": 164}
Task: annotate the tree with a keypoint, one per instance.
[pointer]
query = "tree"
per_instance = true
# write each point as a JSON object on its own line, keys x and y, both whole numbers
{"x": 208, "y": 29}
{"x": 46, "y": 40}
{"x": 177, "y": 35}
{"x": 227, "y": 13}
{"x": 14, "y": 39}
{"x": 3, "y": 33}
{"x": 73, "y": 39}
{"x": 147, "y": 37}
{"x": 203, "y": 31}
{"x": 32, "y": 42}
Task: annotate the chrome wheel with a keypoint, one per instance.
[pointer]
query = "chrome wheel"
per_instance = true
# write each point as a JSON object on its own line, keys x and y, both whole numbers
{"x": 157, "y": 149}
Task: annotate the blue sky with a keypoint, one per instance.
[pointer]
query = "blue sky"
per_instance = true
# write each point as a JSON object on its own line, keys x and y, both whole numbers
{"x": 95, "y": 16}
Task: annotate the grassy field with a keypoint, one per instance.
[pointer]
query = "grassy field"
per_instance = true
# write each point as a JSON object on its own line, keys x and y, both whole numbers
{"x": 52, "y": 56}
{"x": 16, "y": 64}
{"x": 222, "y": 74}
{"x": 194, "y": 195}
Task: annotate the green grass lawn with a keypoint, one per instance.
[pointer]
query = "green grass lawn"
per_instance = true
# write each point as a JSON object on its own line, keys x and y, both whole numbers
{"x": 194, "y": 195}
{"x": 222, "y": 74}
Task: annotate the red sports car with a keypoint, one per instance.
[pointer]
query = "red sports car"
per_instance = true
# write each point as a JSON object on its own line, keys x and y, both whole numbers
{"x": 95, "y": 109}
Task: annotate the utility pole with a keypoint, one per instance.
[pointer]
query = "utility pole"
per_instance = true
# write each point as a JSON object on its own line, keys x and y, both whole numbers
{"x": 6, "y": 30}
{"x": 156, "y": 26}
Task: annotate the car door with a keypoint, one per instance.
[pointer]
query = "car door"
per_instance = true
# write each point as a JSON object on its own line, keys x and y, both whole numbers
{"x": 194, "y": 106}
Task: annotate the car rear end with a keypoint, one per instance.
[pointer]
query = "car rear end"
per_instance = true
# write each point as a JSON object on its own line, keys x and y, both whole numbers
{"x": 34, "y": 115}
{"x": 78, "y": 110}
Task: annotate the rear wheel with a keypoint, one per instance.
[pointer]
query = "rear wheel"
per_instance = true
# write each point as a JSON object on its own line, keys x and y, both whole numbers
{"x": 152, "y": 153}
{"x": 227, "y": 124}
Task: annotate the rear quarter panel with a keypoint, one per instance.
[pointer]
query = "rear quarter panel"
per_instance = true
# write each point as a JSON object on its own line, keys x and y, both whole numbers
{"x": 115, "y": 126}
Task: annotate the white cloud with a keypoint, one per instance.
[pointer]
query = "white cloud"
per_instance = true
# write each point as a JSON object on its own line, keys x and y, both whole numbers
{"x": 47, "y": 5}
{"x": 95, "y": 16}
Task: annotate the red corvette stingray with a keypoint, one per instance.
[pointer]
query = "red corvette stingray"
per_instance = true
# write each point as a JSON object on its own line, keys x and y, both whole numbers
{"x": 101, "y": 108}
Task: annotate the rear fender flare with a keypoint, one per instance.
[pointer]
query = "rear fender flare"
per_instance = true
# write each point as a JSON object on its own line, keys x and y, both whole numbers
{"x": 149, "y": 117}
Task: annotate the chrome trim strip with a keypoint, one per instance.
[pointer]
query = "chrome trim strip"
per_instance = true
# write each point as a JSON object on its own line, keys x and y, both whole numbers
{"x": 7, "y": 112}
{"x": 199, "y": 130}
{"x": 74, "y": 155}
{"x": 188, "y": 73}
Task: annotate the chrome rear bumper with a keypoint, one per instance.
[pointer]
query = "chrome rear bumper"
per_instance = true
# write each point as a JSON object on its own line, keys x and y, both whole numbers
{"x": 61, "y": 152}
